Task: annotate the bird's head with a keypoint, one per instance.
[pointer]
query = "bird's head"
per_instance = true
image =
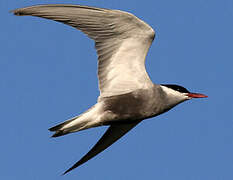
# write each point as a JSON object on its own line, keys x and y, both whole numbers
{"x": 177, "y": 94}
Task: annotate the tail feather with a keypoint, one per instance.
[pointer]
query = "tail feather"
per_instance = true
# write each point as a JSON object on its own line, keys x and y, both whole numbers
{"x": 60, "y": 129}
{"x": 59, "y": 126}
{"x": 86, "y": 120}
{"x": 59, "y": 133}
{"x": 73, "y": 125}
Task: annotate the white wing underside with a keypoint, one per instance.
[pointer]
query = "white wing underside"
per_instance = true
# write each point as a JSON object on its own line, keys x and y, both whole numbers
{"x": 121, "y": 40}
{"x": 125, "y": 70}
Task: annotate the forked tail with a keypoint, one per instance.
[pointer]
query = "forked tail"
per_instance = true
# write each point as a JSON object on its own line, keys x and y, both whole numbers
{"x": 66, "y": 127}
{"x": 88, "y": 119}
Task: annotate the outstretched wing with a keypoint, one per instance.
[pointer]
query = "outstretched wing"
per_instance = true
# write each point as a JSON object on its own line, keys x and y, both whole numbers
{"x": 121, "y": 40}
{"x": 113, "y": 133}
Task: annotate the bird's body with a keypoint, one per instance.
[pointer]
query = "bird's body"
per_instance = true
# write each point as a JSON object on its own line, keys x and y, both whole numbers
{"x": 127, "y": 95}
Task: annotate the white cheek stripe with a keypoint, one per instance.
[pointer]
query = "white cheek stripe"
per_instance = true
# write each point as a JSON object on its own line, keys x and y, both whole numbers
{"x": 175, "y": 94}
{"x": 171, "y": 92}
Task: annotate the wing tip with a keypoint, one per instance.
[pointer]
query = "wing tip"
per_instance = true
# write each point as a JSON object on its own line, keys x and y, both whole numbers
{"x": 65, "y": 173}
{"x": 70, "y": 169}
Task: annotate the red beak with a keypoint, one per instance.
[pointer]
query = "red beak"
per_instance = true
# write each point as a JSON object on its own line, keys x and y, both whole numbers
{"x": 196, "y": 95}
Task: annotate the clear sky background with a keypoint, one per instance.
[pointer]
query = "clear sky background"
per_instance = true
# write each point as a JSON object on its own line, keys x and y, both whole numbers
{"x": 48, "y": 75}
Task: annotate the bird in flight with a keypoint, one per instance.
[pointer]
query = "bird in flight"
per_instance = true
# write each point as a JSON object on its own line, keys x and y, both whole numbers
{"x": 127, "y": 94}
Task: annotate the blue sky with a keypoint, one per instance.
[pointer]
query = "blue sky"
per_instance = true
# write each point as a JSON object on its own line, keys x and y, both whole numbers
{"x": 48, "y": 75}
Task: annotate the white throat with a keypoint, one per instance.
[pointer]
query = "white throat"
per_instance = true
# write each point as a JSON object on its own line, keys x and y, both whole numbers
{"x": 174, "y": 97}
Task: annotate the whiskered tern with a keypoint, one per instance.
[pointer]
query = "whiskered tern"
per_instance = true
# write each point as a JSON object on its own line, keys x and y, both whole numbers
{"x": 127, "y": 94}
